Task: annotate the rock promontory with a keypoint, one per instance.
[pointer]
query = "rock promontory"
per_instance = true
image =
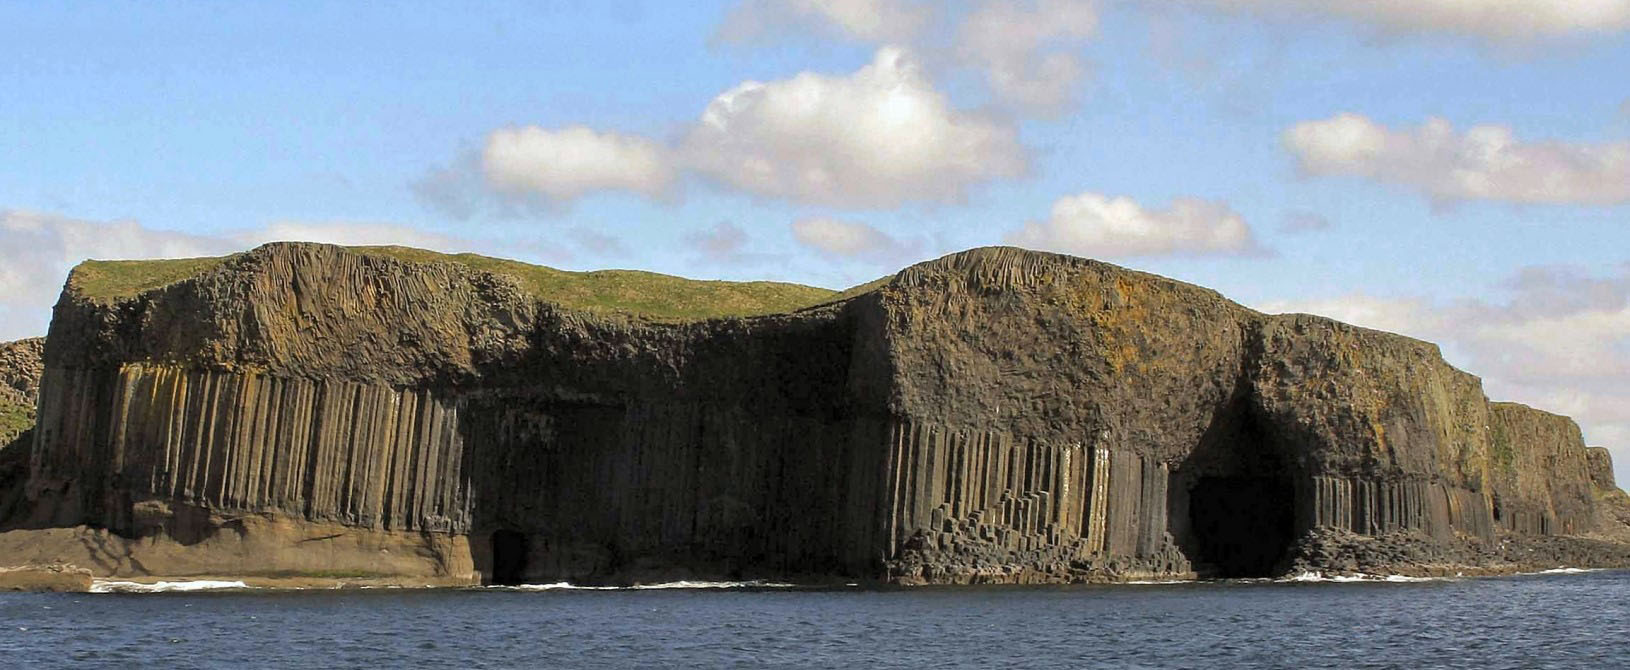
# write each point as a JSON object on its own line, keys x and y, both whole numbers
{"x": 994, "y": 416}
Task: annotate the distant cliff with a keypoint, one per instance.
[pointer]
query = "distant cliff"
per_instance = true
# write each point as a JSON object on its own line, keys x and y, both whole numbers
{"x": 20, "y": 368}
{"x": 997, "y": 415}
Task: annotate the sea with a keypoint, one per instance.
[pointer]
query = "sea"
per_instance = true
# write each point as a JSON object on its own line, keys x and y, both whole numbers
{"x": 1559, "y": 619}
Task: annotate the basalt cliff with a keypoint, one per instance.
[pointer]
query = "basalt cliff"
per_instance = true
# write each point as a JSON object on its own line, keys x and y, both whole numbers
{"x": 994, "y": 416}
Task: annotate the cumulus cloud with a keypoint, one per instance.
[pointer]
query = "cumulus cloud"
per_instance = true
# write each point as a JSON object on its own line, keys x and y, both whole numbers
{"x": 850, "y": 240}
{"x": 566, "y": 163}
{"x": 596, "y": 242}
{"x": 37, "y": 249}
{"x": 1028, "y": 51}
{"x": 877, "y": 138}
{"x": 723, "y": 244}
{"x": 1091, "y": 224}
{"x": 1498, "y": 20}
{"x": 1299, "y": 222}
{"x": 1554, "y": 337}
{"x": 1485, "y": 162}
{"x": 344, "y": 233}
{"x": 864, "y": 20}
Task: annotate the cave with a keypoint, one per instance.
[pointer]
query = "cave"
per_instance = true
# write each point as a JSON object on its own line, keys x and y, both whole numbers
{"x": 509, "y": 550}
{"x": 1232, "y": 501}
{"x": 1241, "y": 525}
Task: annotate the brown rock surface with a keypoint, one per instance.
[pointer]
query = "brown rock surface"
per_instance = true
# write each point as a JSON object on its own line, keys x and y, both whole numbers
{"x": 21, "y": 364}
{"x": 53, "y": 577}
{"x": 997, "y": 415}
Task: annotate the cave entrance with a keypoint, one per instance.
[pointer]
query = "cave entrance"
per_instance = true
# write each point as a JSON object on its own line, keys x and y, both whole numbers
{"x": 509, "y": 550}
{"x": 1242, "y": 525}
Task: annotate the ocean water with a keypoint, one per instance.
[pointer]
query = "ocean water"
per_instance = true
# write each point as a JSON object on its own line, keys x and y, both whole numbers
{"x": 1537, "y": 621}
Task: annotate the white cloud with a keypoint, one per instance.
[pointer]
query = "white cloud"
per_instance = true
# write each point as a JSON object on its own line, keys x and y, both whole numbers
{"x": 1300, "y": 221}
{"x": 1027, "y": 50}
{"x": 1091, "y": 224}
{"x": 564, "y": 164}
{"x": 877, "y": 138}
{"x": 875, "y": 21}
{"x": 1405, "y": 316}
{"x": 1556, "y": 339}
{"x": 597, "y": 243}
{"x": 847, "y": 239}
{"x": 37, "y": 249}
{"x": 1498, "y": 20}
{"x": 345, "y": 233}
{"x": 723, "y": 244}
{"x": 1483, "y": 163}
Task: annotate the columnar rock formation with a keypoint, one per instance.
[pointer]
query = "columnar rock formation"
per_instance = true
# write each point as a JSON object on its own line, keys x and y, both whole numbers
{"x": 997, "y": 415}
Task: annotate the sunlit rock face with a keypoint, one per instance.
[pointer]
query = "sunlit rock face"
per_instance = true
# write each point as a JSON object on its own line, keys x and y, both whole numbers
{"x": 997, "y": 415}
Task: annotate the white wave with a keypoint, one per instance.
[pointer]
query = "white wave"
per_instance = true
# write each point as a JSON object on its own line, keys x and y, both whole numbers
{"x": 108, "y": 586}
{"x": 557, "y": 586}
{"x": 755, "y": 584}
{"x": 567, "y": 586}
{"x": 1144, "y": 582}
{"x": 1564, "y": 571}
{"x": 1318, "y": 577}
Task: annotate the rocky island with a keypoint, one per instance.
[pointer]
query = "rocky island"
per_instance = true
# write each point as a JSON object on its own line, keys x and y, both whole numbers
{"x": 309, "y": 412}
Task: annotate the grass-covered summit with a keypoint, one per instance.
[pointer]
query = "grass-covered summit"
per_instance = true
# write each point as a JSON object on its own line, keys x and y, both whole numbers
{"x": 646, "y": 294}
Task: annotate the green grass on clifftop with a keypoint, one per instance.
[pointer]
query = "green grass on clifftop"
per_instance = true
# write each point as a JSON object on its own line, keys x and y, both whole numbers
{"x": 108, "y": 280}
{"x": 646, "y": 294}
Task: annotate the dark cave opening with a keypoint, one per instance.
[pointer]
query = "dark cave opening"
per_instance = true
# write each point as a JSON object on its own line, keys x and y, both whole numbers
{"x": 1242, "y": 525}
{"x": 509, "y": 551}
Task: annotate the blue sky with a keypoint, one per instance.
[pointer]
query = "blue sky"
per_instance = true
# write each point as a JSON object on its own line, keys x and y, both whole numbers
{"x": 1158, "y": 135}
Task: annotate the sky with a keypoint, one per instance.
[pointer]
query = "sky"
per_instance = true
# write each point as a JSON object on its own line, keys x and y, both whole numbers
{"x": 1455, "y": 170}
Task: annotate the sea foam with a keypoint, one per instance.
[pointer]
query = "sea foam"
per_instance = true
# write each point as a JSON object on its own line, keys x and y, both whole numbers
{"x": 698, "y": 585}
{"x": 107, "y": 586}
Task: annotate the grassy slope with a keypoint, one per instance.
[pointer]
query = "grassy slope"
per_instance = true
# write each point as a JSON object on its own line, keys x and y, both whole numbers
{"x": 646, "y": 294}
{"x": 14, "y": 419}
{"x": 107, "y": 280}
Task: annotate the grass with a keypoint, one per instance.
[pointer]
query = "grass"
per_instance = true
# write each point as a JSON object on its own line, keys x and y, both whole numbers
{"x": 647, "y": 294}
{"x": 110, "y": 280}
{"x": 14, "y": 419}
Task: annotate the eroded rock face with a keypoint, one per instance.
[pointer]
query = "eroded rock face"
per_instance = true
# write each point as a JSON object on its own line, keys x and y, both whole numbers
{"x": 997, "y": 415}
{"x": 21, "y": 364}
{"x": 1601, "y": 468}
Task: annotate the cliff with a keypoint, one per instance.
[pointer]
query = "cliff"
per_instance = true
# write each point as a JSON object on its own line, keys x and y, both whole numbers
{"x": 20, "y": 368}
{"x": 997, "y": 415}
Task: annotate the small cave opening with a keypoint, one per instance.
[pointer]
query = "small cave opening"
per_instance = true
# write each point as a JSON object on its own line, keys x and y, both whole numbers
{"x": 1242, "y": 525}
{"x": 509, "y": 552}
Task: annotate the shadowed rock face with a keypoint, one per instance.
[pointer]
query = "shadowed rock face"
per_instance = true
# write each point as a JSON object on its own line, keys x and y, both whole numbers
{"x": 997, "y": 415}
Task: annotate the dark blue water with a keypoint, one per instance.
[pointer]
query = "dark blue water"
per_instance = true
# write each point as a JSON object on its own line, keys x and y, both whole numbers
{"x": 1562, "y": 621}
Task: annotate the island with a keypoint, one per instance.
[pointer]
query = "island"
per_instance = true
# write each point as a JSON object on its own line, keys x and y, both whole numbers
{"x": 306, "y": 413}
